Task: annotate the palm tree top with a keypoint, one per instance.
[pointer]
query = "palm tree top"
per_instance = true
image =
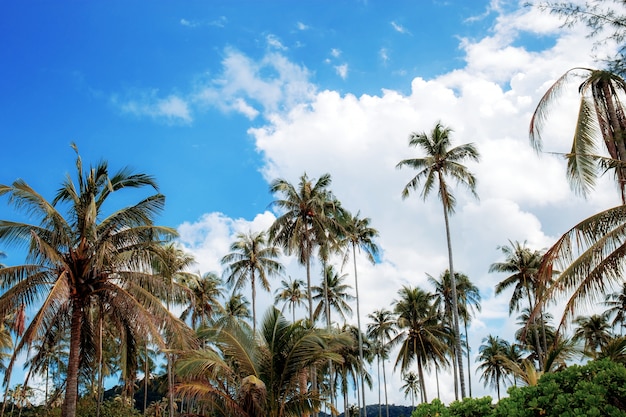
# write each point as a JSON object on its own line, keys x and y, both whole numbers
{"x": 440, "y": 160}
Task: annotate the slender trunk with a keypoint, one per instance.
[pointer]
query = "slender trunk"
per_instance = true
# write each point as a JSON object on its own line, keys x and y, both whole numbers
{"x": 73, "y": 362}
{"x": 146, "y": 372}
{"x": 253, "y": 304}
{"x": 380, "y": 403}
{"x": 385, "y": 383}
{"x": 420, "y": 371}
{"x": 456, "y": 374}
{"x": 99, "y": 391}
{"x": 313, "y": 371}
{"x": 469, "y": 366}
{"x": 328, "y": 326}
{"x": 437, "y": 379}
{"x": 358, "y": 321}
{"x": 170, "y": 377}
{"x": 455, "y": 306}
{"x": 535, "y": 330}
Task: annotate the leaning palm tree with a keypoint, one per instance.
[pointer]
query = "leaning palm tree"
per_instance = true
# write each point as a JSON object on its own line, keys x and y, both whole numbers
{"x": 88, "y": 253}
{"x": 382, "y": 329}
{"x": 601, "y": 120}
{"x": 440, "y": 164}
{"x": 251, "y": 257}
{"x": 358, "y": 234}
{"x": 291, "y": 293}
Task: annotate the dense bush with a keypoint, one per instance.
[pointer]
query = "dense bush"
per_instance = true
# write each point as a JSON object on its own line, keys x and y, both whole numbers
{"x": 595, "y": 389}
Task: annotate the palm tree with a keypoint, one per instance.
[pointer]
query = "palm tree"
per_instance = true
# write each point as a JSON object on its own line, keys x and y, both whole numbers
{"x": 357, "y": 234}
{"x": 292, "y": 294}
{"x": 601, "y": 119}
{"x": 333, "y": 294}
{"x": 412, "y": 386}
{"x": 469, "y": 295}
{"x": 206, "y": 291}
{"x": 306, "y": 216}
{"x": 382, "y": 329}
{"x": 91, "y": 253}
{"x": 443, "y": 162}
{"x": 244, "y": 376}
{"x": 492, "y": 354}
{"x": 237, "y": 309}
{"x": 172, "y": 263}
{"x": 422, "y": 337}
{"x": 617, "y": 307}
{"x": 522, "y": 264}
{"x": 307, "y": 220}
{"x": 251, "y": 257}
{"x": 594, "y": 331}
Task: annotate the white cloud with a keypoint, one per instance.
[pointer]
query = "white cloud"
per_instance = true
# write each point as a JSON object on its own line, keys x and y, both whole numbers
{"x": 274, "y": 42}
{"x": 335, "y": 53}
{"x": 172, "y": 109}
{"x": 384, "y": 55}
{"x": 302, "y": 26}
{"x": 359, "y": 140}
{"x": 342, "y": 70}
{"x": 399, "y": 28}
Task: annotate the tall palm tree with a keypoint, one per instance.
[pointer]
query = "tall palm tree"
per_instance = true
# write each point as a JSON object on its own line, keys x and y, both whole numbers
{"x": 333, "y": 294}
{"x": 468, "y": 294}
{"x": 522, "y": 263}
{"x": 172, "y": 264}
{"x": 291, "y": 293}
{"x": 440, "y": 163}
{"x": 307, "y": 220}
{"x": 601, "y": 119}
{"x": 422, "y": 336}
{"x": 493, "y": 354}
{"x": 594, "y": 331}
{"x": 306, "y": 214}
{"x": 358, "y": 234}
{"x": 382, "y": 329}
{"x": 246, "y": 376}
{"x": 90, "y": 253}
{"x": 616, "y": 303}
{"x": 237, "y": 309}
{"x": 251, "y": 257}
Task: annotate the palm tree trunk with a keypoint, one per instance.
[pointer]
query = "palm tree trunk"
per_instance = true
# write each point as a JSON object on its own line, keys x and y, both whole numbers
{"x": 360, "y": 337}
{"x": 420, "y": 370}
{"x": 253, "y": 303}
{"x": 469, "y": 366}
{"x": 535, "y": 330}
{"x": 73, "y": 362}
{"x": 380, "y": 403}
{"x": 385, "y": 383}
{"x": 455, "y": 306}
{"x": 100, "y": 393}
{"x": 146, "y": 367}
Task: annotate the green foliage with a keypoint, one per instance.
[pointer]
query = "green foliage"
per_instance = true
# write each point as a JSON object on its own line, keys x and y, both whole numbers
{"x": 469, "y": 407}
{"x": 595, "y": 389}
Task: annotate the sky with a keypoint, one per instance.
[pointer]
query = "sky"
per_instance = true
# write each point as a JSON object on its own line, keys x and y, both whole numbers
{"x": 216, "y": 99}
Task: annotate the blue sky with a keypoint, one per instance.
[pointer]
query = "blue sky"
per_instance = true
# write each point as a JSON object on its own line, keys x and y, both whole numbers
{"x": 218, "y": 98}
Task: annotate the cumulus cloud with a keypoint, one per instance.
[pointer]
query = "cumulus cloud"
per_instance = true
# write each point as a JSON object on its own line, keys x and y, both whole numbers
{"x": 360, "y": 139}
{"x": 342, "y": 70}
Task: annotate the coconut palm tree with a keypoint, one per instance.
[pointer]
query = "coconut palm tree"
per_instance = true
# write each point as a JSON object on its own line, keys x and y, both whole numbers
{"x": 594, "y": 331}
{"x": 616, "y": 303}
{"x": 468, "y": 294}
{"x": 412, "y": 386}
{"x": 172, "y": 263}
{"x": 441, "y": 163}
{"x": 422, "y": 336}
{"x": 246, "y": 376}
{"x": 357, "y": 234}
{"x": 89, "y": 253}
{"x": 601, "y": 120}
{"x": 251, "y": 257}
{"x": 206, "y": 292}
{"x": 492, "y": 357}
{"x": 333, "y": 294}
{"x": 382, "y": 329}
{"x": 522, "y": 263}
{"x": 292, "y": 293}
